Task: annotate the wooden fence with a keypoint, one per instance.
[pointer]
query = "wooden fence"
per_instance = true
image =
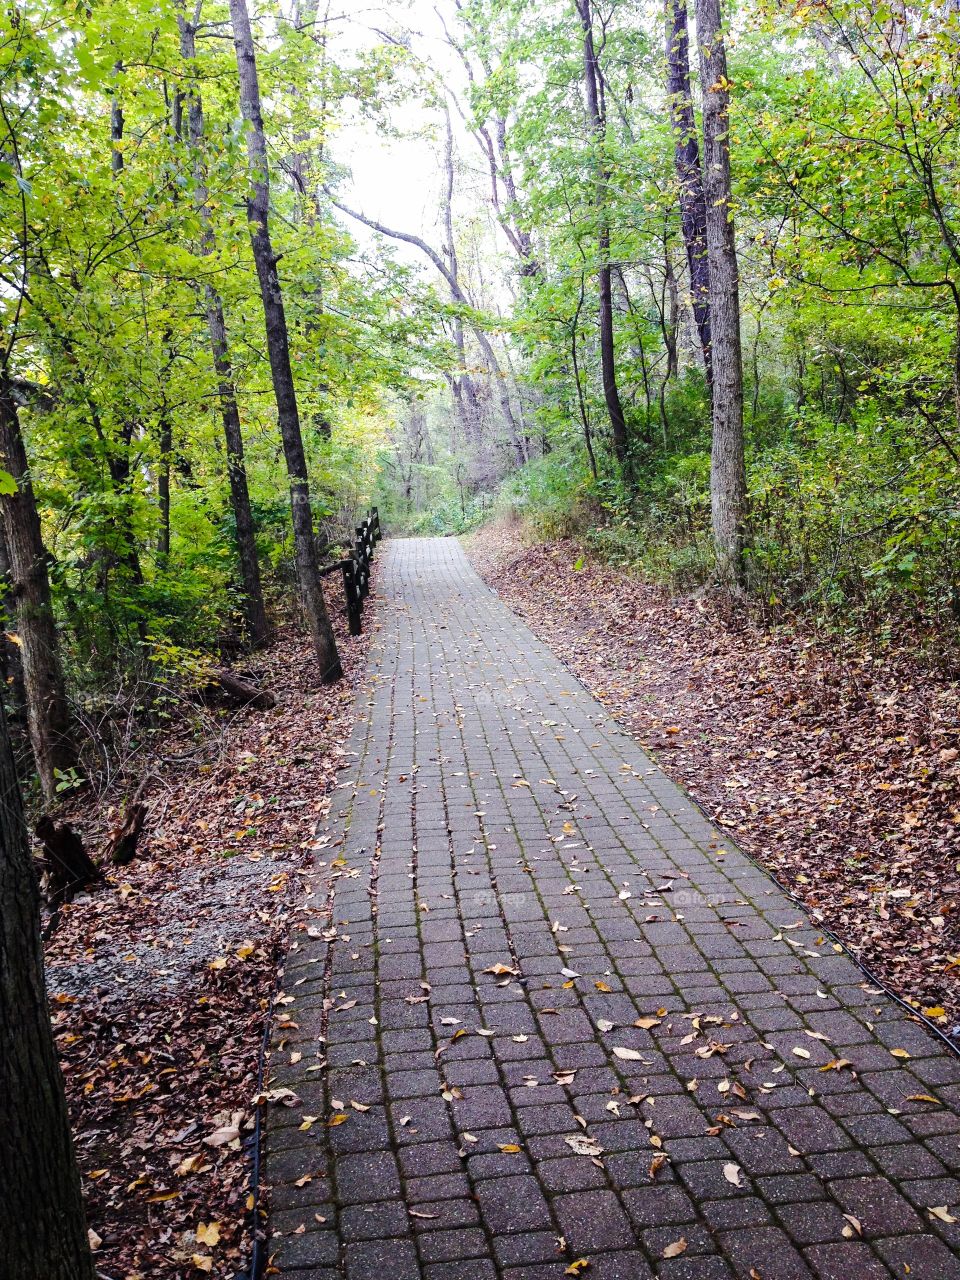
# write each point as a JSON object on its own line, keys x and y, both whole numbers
{"x": 356, "y": 568}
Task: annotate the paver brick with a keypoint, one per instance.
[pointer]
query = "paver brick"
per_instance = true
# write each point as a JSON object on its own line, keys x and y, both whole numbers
{"x": 463, "y": 892}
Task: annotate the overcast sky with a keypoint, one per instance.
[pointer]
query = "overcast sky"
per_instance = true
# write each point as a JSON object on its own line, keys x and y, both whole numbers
{"x": 398, "y": 180}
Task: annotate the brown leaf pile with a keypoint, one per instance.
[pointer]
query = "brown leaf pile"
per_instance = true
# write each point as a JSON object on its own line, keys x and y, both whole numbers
{"x": 837, "y": 768}
{"x": 161, "y": 978}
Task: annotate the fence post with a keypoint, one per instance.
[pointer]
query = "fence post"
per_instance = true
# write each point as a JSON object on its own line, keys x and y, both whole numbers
{"x": 352, "y": 594}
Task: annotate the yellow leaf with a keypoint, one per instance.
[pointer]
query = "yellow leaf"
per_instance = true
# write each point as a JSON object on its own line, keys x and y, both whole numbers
{"x": 202, "y": 1262}
{"x": 219, "y": 963}
{"x": 336, "y": 1119}
{"x": 575, "y": 1268}
{"x": 602, "y": 986}
{"x": 208, "y": 1233}
{"x": 935, "y": 1011}
{"x": 900, "y": 1053}
{"x": 508, "y": 1148}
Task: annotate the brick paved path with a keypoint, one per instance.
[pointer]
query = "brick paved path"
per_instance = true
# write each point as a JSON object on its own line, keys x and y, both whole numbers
{"x": 519, "y": 886}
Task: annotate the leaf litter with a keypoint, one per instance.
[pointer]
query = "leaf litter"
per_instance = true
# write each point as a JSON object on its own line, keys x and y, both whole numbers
{"x": 161, "y": 978}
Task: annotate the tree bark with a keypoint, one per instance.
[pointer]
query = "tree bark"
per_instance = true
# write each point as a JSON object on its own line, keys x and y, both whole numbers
{"x": 258, "y": 628}
{"x": 728, "y": 481}
{"x": 43, "y": 1235}
{"x": 686, "y": 158}
{"x": 48, "y": 713}
{"x": 598, "y": 124}
{"x": 278, "y": 348}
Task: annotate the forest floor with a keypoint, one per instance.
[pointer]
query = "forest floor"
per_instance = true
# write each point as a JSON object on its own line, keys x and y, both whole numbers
{"x": 161, "y": 978}
{"x": 836, "y": 767}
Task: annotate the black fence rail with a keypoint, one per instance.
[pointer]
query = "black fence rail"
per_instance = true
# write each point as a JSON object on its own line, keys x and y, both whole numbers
{"x": 356, "y": 568}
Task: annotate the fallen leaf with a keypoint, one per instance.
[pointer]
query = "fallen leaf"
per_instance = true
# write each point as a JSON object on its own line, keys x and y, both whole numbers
{"x": 941, "y": 1212}
{"x": 674, "y": 1250}
{"x": 583, "y": 1145}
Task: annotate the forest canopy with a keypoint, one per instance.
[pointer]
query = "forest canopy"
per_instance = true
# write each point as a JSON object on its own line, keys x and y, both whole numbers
{"x": 688, "y": 283}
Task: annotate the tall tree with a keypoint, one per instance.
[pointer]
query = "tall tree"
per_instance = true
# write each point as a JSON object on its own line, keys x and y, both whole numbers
{"x": 278, "y": 350}
{"x": 43, "y": 1235}
{"x": 48, "y": 712}
{"x": 686, "y": 155}
{"x": 490, "y": 131}
{"x": 596, "y": 113}
{"x": 258, "y": 628}
{"x": 728, "y": 480}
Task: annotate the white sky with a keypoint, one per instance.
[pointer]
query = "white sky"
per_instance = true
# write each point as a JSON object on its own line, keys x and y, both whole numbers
{"x": 398, "y": 180}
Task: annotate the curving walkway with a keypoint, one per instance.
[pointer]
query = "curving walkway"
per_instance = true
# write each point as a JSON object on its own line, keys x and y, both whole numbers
{"x": 517, "y": 885}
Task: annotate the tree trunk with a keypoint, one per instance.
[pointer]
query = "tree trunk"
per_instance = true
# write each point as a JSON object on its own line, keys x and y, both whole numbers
{"x": 118, "y": 459}
{"x": 728, "y": 482}
{"x": 258, "y": 628}
{"x": 48, "y": 714}
{"x": 278, "y": 348}
{"x": 11, "y": 658}
{"x": 43, "y": 1235}
{"x": 68, "y": 865}
{"x": 453, "y": 266}
{"x": 686, "y": 158}
{"x": 598, "y": 124}
{"x": 163, "y": 489}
